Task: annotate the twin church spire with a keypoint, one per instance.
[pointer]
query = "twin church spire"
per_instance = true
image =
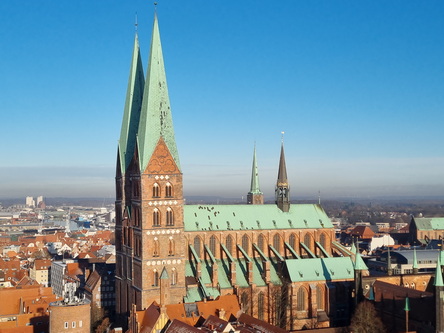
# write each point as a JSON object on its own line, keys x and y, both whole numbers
{"x": 147, "y": 115}
{"x": 256, "y": 197}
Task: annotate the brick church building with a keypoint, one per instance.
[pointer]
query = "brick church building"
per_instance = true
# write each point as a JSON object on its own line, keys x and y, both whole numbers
{"x": 281, "y": 260}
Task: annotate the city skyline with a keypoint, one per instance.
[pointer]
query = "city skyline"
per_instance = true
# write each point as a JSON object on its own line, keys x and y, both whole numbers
{"x": 357, "y": 88}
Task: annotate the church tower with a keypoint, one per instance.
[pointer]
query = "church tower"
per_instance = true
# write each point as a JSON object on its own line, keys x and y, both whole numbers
{"x": 255, "y": 196}
{"x": 149, "y": 192}
{"x": 282, "y": 188}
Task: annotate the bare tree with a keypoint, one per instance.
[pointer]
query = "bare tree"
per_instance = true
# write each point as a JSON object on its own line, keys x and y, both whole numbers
{"x": 366, "y": 319}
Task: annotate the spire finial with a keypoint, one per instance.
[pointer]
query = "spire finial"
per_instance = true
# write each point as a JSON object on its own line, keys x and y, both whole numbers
{"x": 135, "y": 23}
{"x": 282, "y": 137}
{"x": 155, "y": 6}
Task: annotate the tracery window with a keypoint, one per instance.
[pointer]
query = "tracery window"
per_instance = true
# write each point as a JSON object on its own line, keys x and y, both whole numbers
{"x": 277, "y": 242}
{"x": 156, "y": 248}
{"x": 300, "y": 306}
{"x": 245, "y": 243}
{"x": 261, "y": 242}
{"x": 292, "y": 241}
{"x": 261, "y": 305}
{"x": 320, "y": 297}
{"x": 156, "y": 217}
{"x": 322, "y": 240}
{"x": 229, "y": 244}
{"x": 169, "y": 217}
{"x": 213, "y": 245}
{"x": 307, "y": 240}
{"x": 197, "y": 244}
{"x": 168, "y": 190}
{"x": 156, "y": 190}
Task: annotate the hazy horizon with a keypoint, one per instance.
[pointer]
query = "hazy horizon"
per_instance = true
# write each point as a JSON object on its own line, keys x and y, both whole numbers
{"x": 357, "y": 88}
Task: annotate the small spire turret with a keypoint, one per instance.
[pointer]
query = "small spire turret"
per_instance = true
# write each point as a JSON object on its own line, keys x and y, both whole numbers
{"x": 255, "y": 196}
{"x": 282, "y": 187}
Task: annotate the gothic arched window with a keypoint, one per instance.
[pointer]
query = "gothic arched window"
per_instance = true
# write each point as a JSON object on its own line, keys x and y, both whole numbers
{"x": 244, "y": 302}
{"x": 245, "y": 243}
{"x": 261, "y": 306}
{"x": 307, "y": 240}
{"x": 277, "y": 242}
{"x": 171, "y": 248}
{"x": 156, "y": 217}
{"x": 213, "y": 245}
{"x": 156, "y": 248}
{"x": 197, "y": 243}
{"x": 173, "y": 277}
{"x": 322, "y": 240}
{"x": 300, "y": 305}
{"x": 261, "y": 242}
{"x": 320, "y": 297}
{"x": 229, "y": 244}
{"x": 155, "y": 278}
{"x": 292, "y": 241}
{"x": 156, "y": 190}
{"x": 168, "y": 190}
{"x": 169, "y": 217}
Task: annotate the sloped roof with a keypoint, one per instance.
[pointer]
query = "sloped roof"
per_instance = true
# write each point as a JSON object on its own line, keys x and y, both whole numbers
{"x": 320, "y": 269}
{"x": 260, "y": 325}
{"x": 424, "y": 223}
{"x": 254, "y": 217}
{"x": 178, "y": 326}
{"x": 362, "y": 231}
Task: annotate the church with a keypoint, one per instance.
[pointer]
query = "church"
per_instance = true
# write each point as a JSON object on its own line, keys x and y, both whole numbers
{"x": 280, "y": 260}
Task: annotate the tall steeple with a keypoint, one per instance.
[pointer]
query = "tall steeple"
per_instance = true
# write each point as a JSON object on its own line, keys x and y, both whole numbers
{"x": 156, "y": 122}
{"x": 282, "y": 188}
{"x": 133, "y": 104}
{"x": 255, "y": 196}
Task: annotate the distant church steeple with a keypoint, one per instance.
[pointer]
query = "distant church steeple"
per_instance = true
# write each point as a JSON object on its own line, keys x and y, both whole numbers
{"x": 255, "y": 196}
{"x": 282, "y": 187}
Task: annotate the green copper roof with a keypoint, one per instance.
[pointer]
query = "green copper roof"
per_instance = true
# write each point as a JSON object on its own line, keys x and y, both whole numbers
{"x": 255, "y": 188}
{"x": 438, "y": 273}
{"x": 254, "y": 217}
{"x": 133, "y": 104}
{"x": 359, "y": 262}
{"x": 320, "y": 269}
{"x": 156, "y": 120}
{"x": 435, "y": 223}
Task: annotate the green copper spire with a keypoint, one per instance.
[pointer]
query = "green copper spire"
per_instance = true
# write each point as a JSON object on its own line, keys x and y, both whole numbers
{"x": 164, "y": 274}
{"x": 359, "y": 262}
{"x": 415, "y": 261}
{"x": 438, "y": 273}
{"x": 255, "y": 188}
{"x": 155, "y": 120}
{"x": 133, "y": 104}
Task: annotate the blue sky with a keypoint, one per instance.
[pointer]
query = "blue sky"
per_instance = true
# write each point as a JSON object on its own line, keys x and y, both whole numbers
{"x": 357, "y": 86}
